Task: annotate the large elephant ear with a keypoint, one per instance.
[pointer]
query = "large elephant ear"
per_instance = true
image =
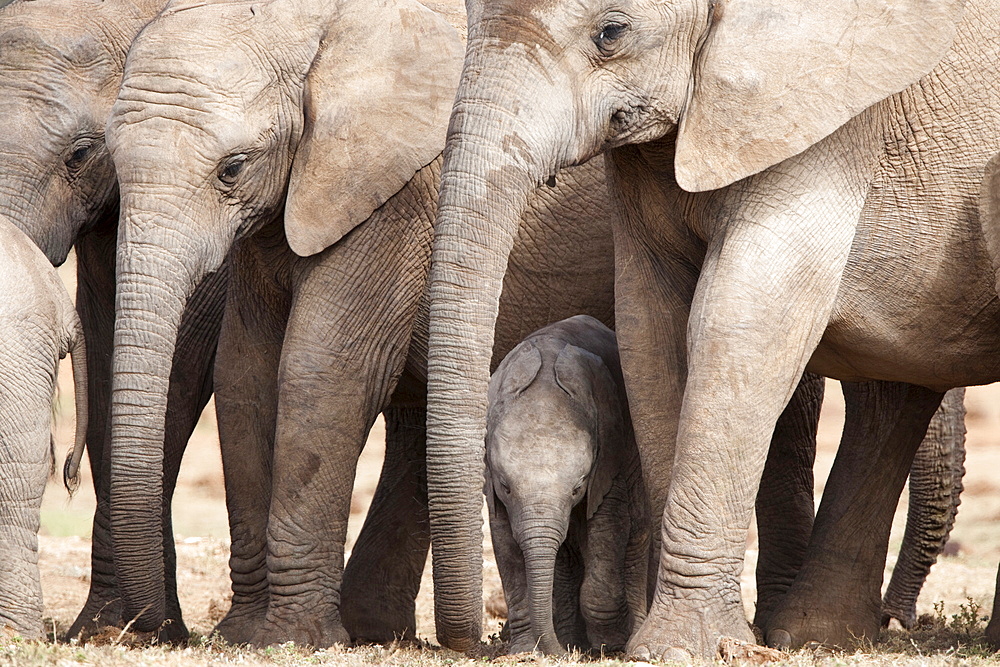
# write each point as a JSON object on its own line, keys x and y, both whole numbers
{"x": 775, "y": 76}
{"x": 377, "y": 102}
{"x": 989, "y": 215}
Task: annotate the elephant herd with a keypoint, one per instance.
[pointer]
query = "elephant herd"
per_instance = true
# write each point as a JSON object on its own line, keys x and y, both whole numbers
{"x": 326, "y": 210}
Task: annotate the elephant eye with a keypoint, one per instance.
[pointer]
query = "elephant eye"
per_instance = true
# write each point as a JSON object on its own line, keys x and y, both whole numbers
{"x": 505, "y": 488}
{"x": 609, "y": 36}
{"x": 231, "y": 168}
{"x": 82, "y": 149}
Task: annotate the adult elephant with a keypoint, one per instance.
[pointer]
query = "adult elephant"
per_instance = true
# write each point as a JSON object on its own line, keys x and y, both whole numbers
{"x": 317, "y": 169}
{"x": 797, "y": 186}
{"x": 60, "y": 66}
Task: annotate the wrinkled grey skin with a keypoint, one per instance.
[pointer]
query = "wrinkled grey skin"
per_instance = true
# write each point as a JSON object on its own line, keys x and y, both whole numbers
{"x": 60, "y": 66}
{"x": 562, "y": 472}
{"x": 38, "y": 326}
{"x": 828, "y": 218}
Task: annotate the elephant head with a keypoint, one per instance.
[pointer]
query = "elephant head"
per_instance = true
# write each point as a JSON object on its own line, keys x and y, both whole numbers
{"x": 60, "y": 66}
{"x": 554, "y": 432}
{"x": 230, "y": 114}
{"x": 735, "y": 87}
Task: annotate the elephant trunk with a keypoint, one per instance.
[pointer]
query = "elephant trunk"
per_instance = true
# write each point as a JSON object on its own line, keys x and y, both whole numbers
{"x": 484, "y": 189}
{"x": 540, "y": 547}
{"x": 935, "y": 493}
{"x": 154, "y": 284}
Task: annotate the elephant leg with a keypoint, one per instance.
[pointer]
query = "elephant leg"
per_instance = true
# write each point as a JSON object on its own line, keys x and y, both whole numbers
{"x": 513, "y": 576}
{"x": 935, "y": 493}
{"x": 785, "y": 499}
{"x": 567, "y": 582}
{"x": 835, "y": 598}
{"x": 753, "y": 326}
{"x": 246, "y": 400}
{"x": 603, "y": 595}
{"x": 382, "y": 576}
{"x": 190, "y": 389}
{"x": 345, "y": 348}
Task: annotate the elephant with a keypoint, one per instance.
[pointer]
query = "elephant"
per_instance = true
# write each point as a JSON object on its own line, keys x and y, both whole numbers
{"x": 317, "y": 178}
{"x": 796, "y": 188}
{"x": 60, "y": 66}
{"x": 39, "y": 326}
{"x": 562, "y": 474}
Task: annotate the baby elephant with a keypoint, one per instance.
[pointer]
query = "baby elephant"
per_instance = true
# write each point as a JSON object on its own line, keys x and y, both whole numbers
{"x": 564, "y": 489}
{"x": 38, "y": 326}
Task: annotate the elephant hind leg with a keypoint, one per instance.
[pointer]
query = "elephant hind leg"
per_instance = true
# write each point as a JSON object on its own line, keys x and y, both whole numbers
{"x": 835, "y": 598}
{"x": 785, "y": 499}
{"x": 382, "y": 577}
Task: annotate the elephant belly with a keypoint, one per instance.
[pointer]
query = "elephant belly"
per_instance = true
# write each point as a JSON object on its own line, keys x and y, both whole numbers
{"x": 917, "y": 302}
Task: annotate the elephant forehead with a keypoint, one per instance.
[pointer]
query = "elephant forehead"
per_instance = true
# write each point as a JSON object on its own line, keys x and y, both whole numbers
{"x": 535, "y": 22}
{"x": 541, "y": 428}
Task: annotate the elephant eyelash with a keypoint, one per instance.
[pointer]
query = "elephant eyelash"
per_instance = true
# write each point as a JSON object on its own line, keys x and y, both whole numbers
{"x": 231, "y": 168}
{"x": 82, "y": 149}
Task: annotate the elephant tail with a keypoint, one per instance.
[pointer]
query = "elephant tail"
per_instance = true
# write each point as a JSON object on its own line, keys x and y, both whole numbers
{"x": 78, "y": 355}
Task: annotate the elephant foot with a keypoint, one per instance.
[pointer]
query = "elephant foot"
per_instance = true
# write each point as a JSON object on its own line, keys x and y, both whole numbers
{"x": 993, "y": 632}
{"x": 310, "y": 629}
{"x": 528, "y": 644}
{"x": 681, "y": 630}
{"x": 823, "y": 618}
{"x": 102, "y": 613}
{"x": 240, "y": 624}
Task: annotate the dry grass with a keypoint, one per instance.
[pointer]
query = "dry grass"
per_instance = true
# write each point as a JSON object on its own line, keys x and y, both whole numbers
{"x": 950, "y": 634}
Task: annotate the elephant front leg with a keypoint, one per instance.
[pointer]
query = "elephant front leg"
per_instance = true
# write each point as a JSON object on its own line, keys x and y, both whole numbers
{"x": 382, "y": 577}
{"x": 835, "y": 598}
{"x": 510, "y": 563}
{"x": 246, "y": 380}
{"x": 765, "y": 295}
{"x": 603, "y": 595}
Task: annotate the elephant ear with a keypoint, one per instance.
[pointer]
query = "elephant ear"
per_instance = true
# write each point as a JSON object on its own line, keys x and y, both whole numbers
{"x": 774, "y": 77}
{"x": 377, "y": 102}
{"x": 515, "y": 374}
{"x": 989, "y": 215}
{"x": 584, "y": 376}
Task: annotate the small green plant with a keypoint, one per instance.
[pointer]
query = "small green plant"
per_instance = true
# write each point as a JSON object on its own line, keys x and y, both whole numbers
{"x": 967, "y": 620}
{"x": 940, "y": 620}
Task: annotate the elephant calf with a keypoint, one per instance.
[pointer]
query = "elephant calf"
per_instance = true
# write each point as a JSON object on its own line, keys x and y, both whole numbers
{"x": 38, "y": 326}
{"x": 564, "y": 490}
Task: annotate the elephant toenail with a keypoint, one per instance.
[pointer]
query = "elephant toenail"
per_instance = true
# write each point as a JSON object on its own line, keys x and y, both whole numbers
{"x": 779, "y": 639}
{"x": 641, "y": 653}
{"x": 677, "y": 655}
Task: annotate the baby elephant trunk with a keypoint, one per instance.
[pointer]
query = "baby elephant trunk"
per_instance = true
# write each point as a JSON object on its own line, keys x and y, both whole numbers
{"x": 540, "y": 544}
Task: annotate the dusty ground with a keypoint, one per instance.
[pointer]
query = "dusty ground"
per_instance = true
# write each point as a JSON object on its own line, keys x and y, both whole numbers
{"x": 201, "y": 535}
